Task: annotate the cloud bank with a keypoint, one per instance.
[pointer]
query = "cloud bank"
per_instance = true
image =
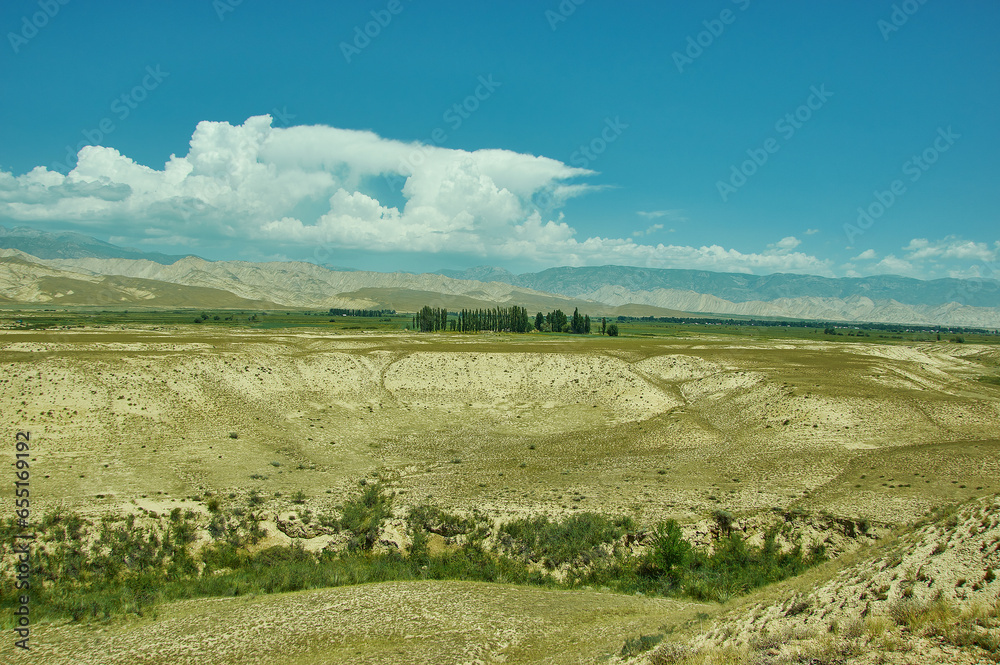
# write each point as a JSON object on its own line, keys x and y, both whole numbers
{"x": 313, "y": 187}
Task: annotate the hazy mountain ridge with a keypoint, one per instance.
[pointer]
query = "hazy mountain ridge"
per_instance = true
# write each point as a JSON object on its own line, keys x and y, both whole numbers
{"x": 69, "y": 245}
{"x": 294, "y": 284}
{"x": 739, "y": 287}
{"x": 24, "y": 281}
{"x": 282, "y": 284}
{"x": 600, "y": 291}
{"x": 854, "y": 308}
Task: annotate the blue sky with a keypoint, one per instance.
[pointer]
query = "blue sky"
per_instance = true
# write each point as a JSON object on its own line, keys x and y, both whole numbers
{"x": 731, "y": 135}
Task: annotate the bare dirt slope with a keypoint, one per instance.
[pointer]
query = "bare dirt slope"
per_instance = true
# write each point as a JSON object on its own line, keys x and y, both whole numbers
{"x": 930, "y": 595}
{"x": 655, "y": 427}
{"x": 511, "y": 425}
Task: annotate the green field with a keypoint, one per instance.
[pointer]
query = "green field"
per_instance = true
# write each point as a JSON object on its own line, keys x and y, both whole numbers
{"x": 41, "y": 318}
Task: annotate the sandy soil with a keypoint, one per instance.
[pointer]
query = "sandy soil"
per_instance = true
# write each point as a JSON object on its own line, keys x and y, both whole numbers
{"x": 930, "y": 595}
{"x": 397, "y": 622}
{"x": 655, "y": 428}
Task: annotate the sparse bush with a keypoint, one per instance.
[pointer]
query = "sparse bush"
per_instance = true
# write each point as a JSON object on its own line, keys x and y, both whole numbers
{"x": 430, "y": 518}
{"x": 555, "y": 543}
{"x": 363, "y": 516}
{"x": 853, "y": 629}
{"x": 636, "y": 645}
{"x": 735, "y": 567}
{"x": 217, "y": 527}
{"x": 133, "y": 565}
{"x": 877, "y": 626}
{"x": 667, "y": 554}
{"x": 724, "y": 520}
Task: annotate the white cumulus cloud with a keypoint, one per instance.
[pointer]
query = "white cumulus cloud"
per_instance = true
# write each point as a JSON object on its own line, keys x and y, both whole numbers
{"x": 890, "y": 265}
{"x": 311, "y": 186}
{"x": 951, "y": 247}
{"x": 786, "y": 244}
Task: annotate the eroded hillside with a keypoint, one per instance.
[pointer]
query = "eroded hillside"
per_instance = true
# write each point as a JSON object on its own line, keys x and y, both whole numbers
{"x": 656, "y": 428}
{"x": 928, "y": 595}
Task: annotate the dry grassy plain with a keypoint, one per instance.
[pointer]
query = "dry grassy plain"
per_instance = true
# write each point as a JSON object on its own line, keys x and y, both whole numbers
{"x": 511, "y": 425}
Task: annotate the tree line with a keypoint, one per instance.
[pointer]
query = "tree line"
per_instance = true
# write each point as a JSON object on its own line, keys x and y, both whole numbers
{"x": 338, "y": 311}
{"x": 810, "y": 323}
{"x": 557, "y": 321}
{"x": 513, "y": 319}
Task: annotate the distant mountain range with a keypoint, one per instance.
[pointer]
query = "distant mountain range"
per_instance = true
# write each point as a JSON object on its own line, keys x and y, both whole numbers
{"x": 739, "y": 288}
{"x": 69, "y": 245}
{"x": 73, "y": 269}
{"x": 879, "y": 298}
{"x": 82, "y": 281}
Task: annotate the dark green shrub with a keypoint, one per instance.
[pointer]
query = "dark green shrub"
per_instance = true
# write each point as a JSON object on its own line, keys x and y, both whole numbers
{"x": 435, "y": 520}
{"x": 127, "y": 565}
{"x": 735, "y": 568}
{"x": 555, "y": 543}
{"x": 667, "y": 554}
{"x": 419, "y": 554}
{"x": 217, "y": 526}
{"x": 363, "y": 516}
{"x": 637, "y": 645}
{"x": 724, "y": 520}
